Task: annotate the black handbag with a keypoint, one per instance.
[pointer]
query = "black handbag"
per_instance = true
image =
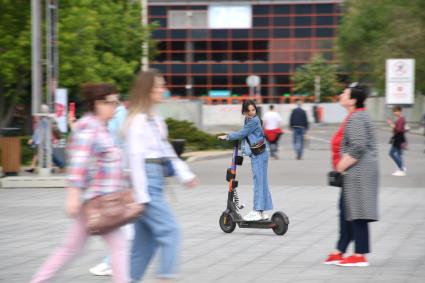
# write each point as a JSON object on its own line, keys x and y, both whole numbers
{"x": 335, "y": 179}
{"x": 257, "y": 148}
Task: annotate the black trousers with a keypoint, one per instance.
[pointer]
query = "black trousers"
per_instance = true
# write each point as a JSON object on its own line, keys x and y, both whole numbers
{"x": 356, "y": 230}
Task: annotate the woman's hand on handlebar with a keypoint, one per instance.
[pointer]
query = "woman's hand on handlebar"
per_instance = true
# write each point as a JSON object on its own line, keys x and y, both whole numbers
{"x": 223, "y": 137}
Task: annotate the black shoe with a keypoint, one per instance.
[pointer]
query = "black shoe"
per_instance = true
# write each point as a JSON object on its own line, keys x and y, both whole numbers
{"x": 31, "y": 170}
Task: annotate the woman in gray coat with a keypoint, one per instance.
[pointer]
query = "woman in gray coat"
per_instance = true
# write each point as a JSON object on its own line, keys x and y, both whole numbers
{"x": 355, "y": 155}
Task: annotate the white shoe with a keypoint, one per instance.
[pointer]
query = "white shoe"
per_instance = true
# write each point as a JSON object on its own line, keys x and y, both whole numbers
{"x": 264, "y": 216}
{"x": 102, "y": 269}
{"x": 399, "y": 173}
{"x": 253, "y": 216}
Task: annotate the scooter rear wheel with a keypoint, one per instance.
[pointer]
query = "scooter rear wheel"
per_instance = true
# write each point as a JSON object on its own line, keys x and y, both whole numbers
{"x": 281, "y": 221}
{"x": 227, "y": 223}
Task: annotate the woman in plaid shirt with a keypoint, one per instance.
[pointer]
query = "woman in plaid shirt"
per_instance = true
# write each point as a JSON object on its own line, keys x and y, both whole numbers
{"x": 94, "y": 169}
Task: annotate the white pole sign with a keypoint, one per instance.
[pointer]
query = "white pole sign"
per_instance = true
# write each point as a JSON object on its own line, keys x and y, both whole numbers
{"x": 400, "y": 81}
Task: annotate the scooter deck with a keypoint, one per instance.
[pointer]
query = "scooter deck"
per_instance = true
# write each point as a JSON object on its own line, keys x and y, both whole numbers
{"x": 260, "y": 224}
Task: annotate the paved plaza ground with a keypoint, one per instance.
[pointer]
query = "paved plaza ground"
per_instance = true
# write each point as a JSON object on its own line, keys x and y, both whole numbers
{"x": 32, "y": 224}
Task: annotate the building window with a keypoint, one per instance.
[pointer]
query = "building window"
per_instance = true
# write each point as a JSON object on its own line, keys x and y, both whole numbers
{"x": 240, "y": 68}
{"x": 157, "y": 11}
{"x": 219, "y": 80}
{"x": 302, "y": 32}
{"x": 261, "y": 9}
{"x": 199, "y": 33}
{"x": 302, "y": 21}
{"x": 303, "y": 9}
{"x": 260, "y": 45}
{"x": 260, "y": 33}
{"x": 219, "y": 33}
{"x": 324, "y": 8}
{"x": 240, "y": 33}
{"x": 187, "y": 19}
{"x": 242, "y": 57}
{"x": 282, "y": 9}
{"x": 219, "y": 68}
{"x": 324, "y": 21}
{"x": 199, "y": 69}
{"x": 281, "y": 33}
{"x": 324, "y": 32}
{"x": 260, "y": 21}
{"x": 179, "y": 68}
{"x": 281, "y": 21}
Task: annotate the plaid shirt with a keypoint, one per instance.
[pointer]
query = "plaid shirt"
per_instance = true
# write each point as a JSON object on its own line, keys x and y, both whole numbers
{"x": 94, "y": 162}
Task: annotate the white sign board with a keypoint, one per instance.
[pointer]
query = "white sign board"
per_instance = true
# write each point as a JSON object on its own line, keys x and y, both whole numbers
{"x": 229, "y": 17}
{"x": 400, "y": 81}
{"x": 61, "y": 109}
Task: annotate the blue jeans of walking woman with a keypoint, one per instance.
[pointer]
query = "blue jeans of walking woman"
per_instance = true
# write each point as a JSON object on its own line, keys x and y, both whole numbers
{"x": 155, "y": 230}
{"x": 262, "y": 197}
{"x": 396, "y": 155}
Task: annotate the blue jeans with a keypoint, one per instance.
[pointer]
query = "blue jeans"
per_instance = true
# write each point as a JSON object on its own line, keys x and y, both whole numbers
{"x": 396, "y": 154}
{"x": 298, "y": 141}
{"x": 262, "y": 197}
{"x": 156, "y": 229}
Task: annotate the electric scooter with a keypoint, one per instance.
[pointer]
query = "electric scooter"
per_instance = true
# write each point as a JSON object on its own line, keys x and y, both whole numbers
{"x": 230, "y": 217}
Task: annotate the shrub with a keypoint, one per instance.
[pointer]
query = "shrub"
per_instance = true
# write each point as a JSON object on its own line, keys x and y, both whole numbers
{"x": 195, "y": 138}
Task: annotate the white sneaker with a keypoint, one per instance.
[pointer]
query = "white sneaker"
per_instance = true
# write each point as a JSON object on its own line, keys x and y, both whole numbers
{"x": 264, "y": 216}
{"x": 399, "y": 173}
{"x": 102, "y": 269}
{"x": 253, "y": 216}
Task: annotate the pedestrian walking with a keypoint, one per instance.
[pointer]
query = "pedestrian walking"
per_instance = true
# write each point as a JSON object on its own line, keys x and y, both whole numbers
{"x": 398, "y": 141}
{"x": 41, "y": 124}
{"x": 114, "y": 125}
{"x": 272, "y": 130}
{"x": 299, "y": 124}
{"x": 254, "y": 145}
{"x": 355, "y": 156}
{"x": 151, "y": 158}
{"x": 94, "y": 169}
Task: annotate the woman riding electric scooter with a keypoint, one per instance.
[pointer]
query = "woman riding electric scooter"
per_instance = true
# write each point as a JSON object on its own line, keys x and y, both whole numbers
{"x": 254, "y": 145}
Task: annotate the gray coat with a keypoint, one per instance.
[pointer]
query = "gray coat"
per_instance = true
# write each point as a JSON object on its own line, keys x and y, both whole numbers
{"x": 360, "y": 190}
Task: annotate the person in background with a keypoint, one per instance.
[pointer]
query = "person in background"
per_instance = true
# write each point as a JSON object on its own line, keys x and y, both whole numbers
{"x": 355, "y": 155}
{"x": 272, "y": 130}
{"x": 41, "y": 123}
{"x": 299, "y": 124}
{"x": 254, "y": 145}
{"x": 94, "y": 169}
{"x": 398, "y": 141}
{"x": 151, "y": 158}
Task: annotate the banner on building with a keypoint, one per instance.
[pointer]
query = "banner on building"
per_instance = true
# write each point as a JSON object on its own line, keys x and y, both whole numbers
{"x": 61, "y": 109}
{"x": 400, "y": 81}
{"x": 229, "y": 16}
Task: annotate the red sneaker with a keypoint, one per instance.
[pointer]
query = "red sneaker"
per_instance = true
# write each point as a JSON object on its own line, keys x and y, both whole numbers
{"x": 354, "y": 261}
{"x": 333, "y": 258}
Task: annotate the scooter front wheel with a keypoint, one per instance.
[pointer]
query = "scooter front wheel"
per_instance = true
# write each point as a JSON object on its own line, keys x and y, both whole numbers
{"x": 227, "y": 223}
{"x": 281, "y": 222}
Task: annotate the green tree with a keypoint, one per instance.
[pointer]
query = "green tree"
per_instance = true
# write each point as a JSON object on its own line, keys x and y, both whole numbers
{"x": 372, "y": 31}
{"x": 304, "y": 77}
{"x": 98, "y": 41}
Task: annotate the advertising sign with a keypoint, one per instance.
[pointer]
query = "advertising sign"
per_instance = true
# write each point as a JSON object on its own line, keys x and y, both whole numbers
{"x": 400, "y": 81}
{"x": 230, "y": 16}
{"x": 61, "y": 105}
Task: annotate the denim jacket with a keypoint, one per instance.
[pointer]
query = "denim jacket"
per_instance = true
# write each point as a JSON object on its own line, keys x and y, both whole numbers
{"x": 252, "y": 130}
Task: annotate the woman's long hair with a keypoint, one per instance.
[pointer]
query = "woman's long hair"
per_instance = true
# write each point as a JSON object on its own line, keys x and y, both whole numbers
{"x": 140, "y": 99}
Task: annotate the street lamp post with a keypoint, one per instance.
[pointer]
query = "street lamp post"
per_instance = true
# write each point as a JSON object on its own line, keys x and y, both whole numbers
{"x": 145, "y": 46}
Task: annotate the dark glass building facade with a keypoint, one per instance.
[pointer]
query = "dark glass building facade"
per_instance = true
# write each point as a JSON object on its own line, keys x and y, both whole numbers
{"x": 283, "y": 35}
